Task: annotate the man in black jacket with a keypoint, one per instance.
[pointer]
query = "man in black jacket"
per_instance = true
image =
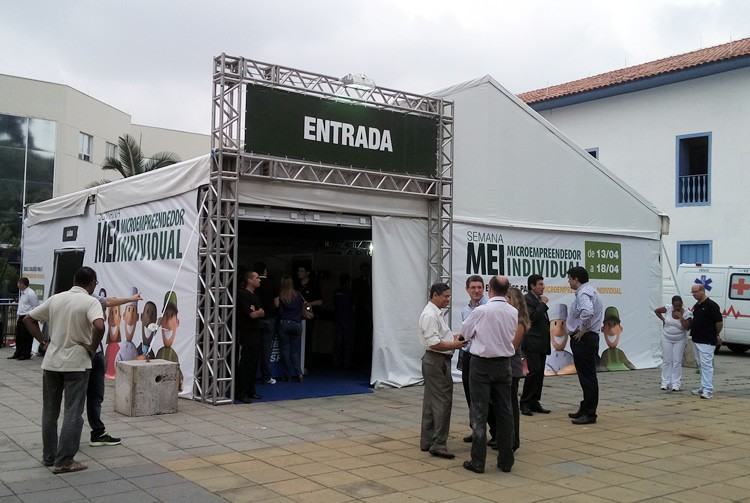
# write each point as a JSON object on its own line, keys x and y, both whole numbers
{"x": 536, "y": 346}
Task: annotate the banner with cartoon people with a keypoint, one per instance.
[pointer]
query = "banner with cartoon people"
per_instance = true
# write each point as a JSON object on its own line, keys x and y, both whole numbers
{"x": 147, "y": 252}
{"x": 625, "y": 270}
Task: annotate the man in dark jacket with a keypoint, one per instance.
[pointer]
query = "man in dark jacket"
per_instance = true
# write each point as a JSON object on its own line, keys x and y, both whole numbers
{"x": 536, "y": 346}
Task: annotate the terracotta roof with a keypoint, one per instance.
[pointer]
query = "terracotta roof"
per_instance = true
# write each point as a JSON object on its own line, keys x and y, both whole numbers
{"x": 714, "y": 54}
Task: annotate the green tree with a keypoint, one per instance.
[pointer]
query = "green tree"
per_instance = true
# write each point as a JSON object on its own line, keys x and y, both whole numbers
{"x": 131, "y": 160}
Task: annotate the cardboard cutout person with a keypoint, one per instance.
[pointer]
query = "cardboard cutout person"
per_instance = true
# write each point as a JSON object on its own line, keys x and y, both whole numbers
{"x": 613, "y": 358}
{"x": 560, "y": 361}
{"x": 148, "y": 316}
{"x": 113, "y": 341}
{"x": 128, "y": 350}
{"x": 169, "y": 324}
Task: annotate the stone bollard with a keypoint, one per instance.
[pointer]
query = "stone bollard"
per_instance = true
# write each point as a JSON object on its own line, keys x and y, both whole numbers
{"x": 146, "y": 388}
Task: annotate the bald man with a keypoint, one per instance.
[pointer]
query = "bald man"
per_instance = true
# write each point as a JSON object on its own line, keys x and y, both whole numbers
{"x": 705, "y": 324}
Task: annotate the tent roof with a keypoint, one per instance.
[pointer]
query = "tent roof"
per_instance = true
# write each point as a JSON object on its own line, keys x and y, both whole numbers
{"x": 541, "y": 178}
{"x": 154, "y": 185}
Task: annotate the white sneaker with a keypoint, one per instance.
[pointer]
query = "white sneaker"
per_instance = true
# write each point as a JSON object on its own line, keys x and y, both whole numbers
{"x": 664, "y": 387}
{"x": 270, "y": 380}
{"x": 676, "y": 388}
{"x": 696, "y": 391}
{"x": 707, "y": 395}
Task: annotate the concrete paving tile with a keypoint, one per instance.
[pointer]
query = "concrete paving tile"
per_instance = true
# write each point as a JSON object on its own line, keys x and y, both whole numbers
{"x": 269, "y": 475}
{"x": 364, "y": 489}
{"x": 248, "y": 494}
{"x": 40, "y": 472}
{"x": 128, "y": 497}
{"x": 405, "y": 483}
{"x": 309, "y": 469}
{"x": 294, "y": 486}
{"x": 31, "y": 486}
{"x": 89, "y": 477}
{"x": 620, "y": 494}
{"x": 722, "y": 490}
{"x": 335, "y": 479}
{"x": 160, "y": 479}
{"x": 184, "y": 493}
{"x": 204, "y": 473}
{"x": 10, "y": 499}
{"x": 63, "y": 495}
{"x": 222, "y": 459}
{"x": 185, "y": 464}
{"x": 514, "y": 494}
{"x": 106, "y": 488}
{"x": 139, "y": 470}
{"x": 692, "y": 496}
{"x": 435, "y": 493}
{"x": 218, "y": 484}
{"x": 321, "y": 496}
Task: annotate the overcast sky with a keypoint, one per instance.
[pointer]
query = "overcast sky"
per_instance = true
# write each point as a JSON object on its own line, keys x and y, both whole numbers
{"x": 152, "y": 58}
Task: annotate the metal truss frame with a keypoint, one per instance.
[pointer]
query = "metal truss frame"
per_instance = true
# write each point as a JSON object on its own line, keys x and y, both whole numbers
{"x": 215, "y": 348}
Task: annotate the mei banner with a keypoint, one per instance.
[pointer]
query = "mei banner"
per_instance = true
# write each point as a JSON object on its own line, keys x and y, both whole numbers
{"x": 626, "y": 272}
{"x": 134, "y": 250}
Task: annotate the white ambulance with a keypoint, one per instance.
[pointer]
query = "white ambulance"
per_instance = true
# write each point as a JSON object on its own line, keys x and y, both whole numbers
{"x": 728, "y": 286}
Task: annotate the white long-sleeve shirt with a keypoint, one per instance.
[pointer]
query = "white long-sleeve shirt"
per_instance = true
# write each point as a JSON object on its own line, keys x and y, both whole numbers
{"x": 27, "y": 300}
{"x": 433, "y": 329}
{"x": 491, "y": 329}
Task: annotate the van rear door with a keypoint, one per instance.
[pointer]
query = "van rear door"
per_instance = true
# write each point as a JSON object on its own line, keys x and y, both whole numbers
{"x": 737, "y": 307}
{"x": 713, "y": 279}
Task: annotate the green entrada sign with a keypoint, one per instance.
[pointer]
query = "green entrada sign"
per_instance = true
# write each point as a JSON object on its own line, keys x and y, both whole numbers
{"x": 297, "y": 126}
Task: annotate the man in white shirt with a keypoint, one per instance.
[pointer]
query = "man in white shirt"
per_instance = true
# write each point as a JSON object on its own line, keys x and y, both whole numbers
{"x": 76, "y": 327}
{"x": 439, "y": 343}
{"x": 492, "y": 332}
{"x": 27, "y": 300}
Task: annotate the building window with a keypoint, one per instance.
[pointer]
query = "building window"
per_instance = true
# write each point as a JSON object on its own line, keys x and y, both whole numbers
{"x": 694, "y": 252}
{"x": 111, "y": 150}
{"x": 87, "y": 146}
{"x": 694, "y": 169}
{"x": 593, "y": 152}
{"x": 739, "y": 286}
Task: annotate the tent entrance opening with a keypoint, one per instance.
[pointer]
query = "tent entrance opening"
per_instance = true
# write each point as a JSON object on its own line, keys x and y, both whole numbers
{"x": 330, "y": 265}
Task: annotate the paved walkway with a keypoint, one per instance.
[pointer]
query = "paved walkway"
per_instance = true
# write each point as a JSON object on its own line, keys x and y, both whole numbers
{"x": 648, "y": 446}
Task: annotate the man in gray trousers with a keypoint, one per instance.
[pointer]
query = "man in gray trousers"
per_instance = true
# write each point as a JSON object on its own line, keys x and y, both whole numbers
{"x": 76, "y": 327}
{"x": 439, "y": 343}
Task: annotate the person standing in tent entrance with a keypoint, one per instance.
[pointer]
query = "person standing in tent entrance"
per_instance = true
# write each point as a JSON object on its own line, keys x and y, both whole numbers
{"x": 95, "y": 388}
{"x": 113, "y": 340}
{"x": 27, "y": 300}
{"x": 439, "y": 343}
{"x": 705, "y": 324}
{"x": 128, "y": 351}
{"x": 169, "y": 324}
{"x": 475, "y": 289}
{"x": 673, "y": 340}
{"x": 585, "y": 319}
{"x": 536, "y": 346}
{"x": 76, "y": 327}
{"x": 267, "y": 292}
{"x": 310, "y": 291}
{"x": 249, "y": 314}
{"x": 291, "y": 306}
{"x": 613, "y": 358}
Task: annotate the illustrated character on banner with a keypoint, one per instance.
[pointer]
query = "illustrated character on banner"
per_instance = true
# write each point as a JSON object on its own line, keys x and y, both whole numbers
{"x": 559, "y": 361}
{"x": 169, "y": 324}
{"x": 113, "y": 341}
{"x": 613, "y": 358}
{"x": 148, "y": 318}
{"x": 128, "y": 350}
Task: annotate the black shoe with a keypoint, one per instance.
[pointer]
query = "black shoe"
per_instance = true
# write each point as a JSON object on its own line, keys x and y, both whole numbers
{"x": 13, "y": 357}
{"x": 468, "y": 438}
{"x": 505, "y": 469}
{"x": 538, "y": 408}
{"x": 24, "y": 357}
{"x": 576, "y": 414}
{"x": 584, "y": 420}
{"x": 469, "y": 466}
{"x": 104, "y": 440}
{"x": 245, "y": 399}
{"x": 442, "y": 454}
{"x": 526, "y": 411}
{"x": 492, "y": 443}
{"x": 256, "y": 397}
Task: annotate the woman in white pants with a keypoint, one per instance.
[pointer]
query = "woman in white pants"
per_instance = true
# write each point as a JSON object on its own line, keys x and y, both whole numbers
{"x": 674, "y": 338}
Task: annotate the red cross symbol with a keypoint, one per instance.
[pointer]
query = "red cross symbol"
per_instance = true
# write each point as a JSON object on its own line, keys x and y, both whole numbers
{"x": 741, "y": 286}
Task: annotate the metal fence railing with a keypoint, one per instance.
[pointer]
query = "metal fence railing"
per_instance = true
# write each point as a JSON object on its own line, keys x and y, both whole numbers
{"x": 8, "y": 318}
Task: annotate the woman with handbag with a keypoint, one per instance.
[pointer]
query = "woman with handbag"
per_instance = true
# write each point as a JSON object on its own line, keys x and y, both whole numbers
{"x": 516, "y": 299}
{"x": 292, "y": 310}
{"x": 674, "y": 338}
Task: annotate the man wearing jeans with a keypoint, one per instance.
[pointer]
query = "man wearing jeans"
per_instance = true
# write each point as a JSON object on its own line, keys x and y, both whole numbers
{"x": 705, "y": 326}
{"x": 76, "y": 327}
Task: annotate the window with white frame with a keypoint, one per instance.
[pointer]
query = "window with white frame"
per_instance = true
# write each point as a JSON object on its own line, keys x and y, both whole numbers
{"x": 86, "y": 148}
{"x": 111, "y": 150}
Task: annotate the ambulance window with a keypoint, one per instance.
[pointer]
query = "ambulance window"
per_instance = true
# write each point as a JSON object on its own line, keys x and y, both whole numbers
{"x": 739, "y": 287}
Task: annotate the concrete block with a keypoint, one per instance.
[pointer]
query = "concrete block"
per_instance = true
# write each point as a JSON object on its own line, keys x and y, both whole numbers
{"x": 146, "y": 388}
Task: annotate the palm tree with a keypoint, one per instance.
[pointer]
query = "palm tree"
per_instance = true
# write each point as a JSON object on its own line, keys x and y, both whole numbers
{"x": 132, "y": 161}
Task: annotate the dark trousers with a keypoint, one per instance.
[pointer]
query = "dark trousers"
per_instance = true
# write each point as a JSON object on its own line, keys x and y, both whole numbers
{"x": 466, "y": 381}
{"x": 491, "y": 386}
{"x": 60, "y": 452}
{"x": 516, "y": 413}
{"x": 95, "y": 396}
{"x": 290, "y": 346}
{"x": 437, "y": 401}
{"x": 585, "y": 357}
{"x": 251, "y": 347}
{"x": 534, "y": 381}
{"x": 24, "y": 340}
{"x": 267, "y": 333}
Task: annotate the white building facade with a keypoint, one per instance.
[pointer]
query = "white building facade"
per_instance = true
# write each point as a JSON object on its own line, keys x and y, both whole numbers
{"x": 679, "y": 137}
{"x": 53, "y": 141}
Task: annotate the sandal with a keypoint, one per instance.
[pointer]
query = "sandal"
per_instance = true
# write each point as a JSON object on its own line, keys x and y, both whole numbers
{"x": 73, "y": 466}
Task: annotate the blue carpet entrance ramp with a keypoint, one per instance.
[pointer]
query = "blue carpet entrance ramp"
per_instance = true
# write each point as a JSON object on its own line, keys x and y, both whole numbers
{"x": 314, "y": 386}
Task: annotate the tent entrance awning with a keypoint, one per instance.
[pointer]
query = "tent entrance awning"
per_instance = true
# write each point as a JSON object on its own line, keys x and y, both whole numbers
{"x": 303, "y": 217}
